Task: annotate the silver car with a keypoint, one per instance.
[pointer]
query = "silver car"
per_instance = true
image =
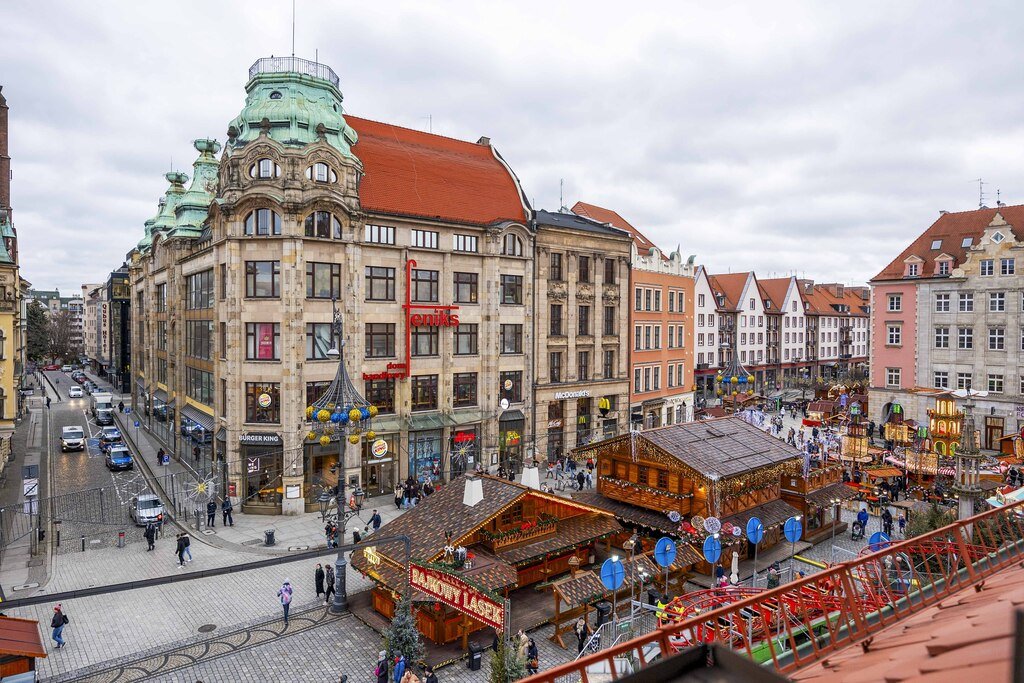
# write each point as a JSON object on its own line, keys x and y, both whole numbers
{"x": 145, "y": 508}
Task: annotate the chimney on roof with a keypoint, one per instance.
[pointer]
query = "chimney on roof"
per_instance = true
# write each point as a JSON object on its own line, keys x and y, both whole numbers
{"x": 484, "y": 140}
{"x": 474, "y": 491}
{"x": 531, "y": 477}
{"x": 943, "y": 212}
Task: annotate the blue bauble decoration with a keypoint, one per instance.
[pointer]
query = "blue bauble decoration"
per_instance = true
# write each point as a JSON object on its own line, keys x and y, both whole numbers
{"x": 743, "y": 380}
{"x": 365, "y": 412}
{"x": 336, "y": 417}
{"x": 342, "y": 418}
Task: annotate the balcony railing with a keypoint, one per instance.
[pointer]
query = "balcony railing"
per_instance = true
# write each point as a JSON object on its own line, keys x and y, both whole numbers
{"x": 274, "y": 65}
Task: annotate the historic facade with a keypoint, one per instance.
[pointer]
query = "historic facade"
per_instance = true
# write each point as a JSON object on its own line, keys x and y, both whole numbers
{"x": 582, "y": 286}
{"x": 421, "y": 242}
{"x": 11, "y": 329}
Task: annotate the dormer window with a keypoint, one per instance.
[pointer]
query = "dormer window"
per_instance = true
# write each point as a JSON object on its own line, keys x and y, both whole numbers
{"x": 321, "y": 173}
{"x": 913, "y": 270}
{"x": 998, "y": 237}
{"x": 936, "y": 245}
{"x": 276, "y": 95}
{"x": 265, "y": 168}
{"x": 513, "y": 246}
{"x": 323, "y": 224}
{"x": 968, "y": 241}
{"x": 943, "y": 268}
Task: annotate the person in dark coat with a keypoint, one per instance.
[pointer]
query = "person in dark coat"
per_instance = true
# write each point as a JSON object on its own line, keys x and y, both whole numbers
{"x": 180, "y": 550}
{"x": 580, "y": 479}
{"x": 211, "y": 514}
{"x": 318, "y": 578}
{"x": 328, "y": 584}
{"x": 376, "y": 521}
{"x": 887, "y": 522}
{"x": 582, "y": 631}
{"x": 150, "y": 535}
{"x": 532, "y": 658}
{"x": 381, "y": 670}
{"x": 226, "y": 508}
{"x": 428, "y": 675}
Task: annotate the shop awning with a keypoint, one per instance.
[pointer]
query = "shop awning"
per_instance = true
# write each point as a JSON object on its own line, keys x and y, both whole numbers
{"x": 771, "y": 513}
{"x": 389, "y": 423}
{"x": 160, "y": 395}
{"x": 20, "y": 637}
{"x": 199, "y": 417}
{"x": 426, "y": 421}
{"x": 466, "y": 417}
{"x": 824, "y": 496}
{"x": 222, "y": 435}
{"x": 512, "y": 416}
{"x": 884, "y": 472}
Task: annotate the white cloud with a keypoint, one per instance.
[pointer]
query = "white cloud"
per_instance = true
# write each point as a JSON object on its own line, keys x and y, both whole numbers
{"x": 807, "y": 137}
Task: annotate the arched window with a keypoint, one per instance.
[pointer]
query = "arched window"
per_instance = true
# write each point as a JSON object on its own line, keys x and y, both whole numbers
{"x": 263, "y": 222}
{"x": 265, "y": 168}
{"x": 321, "y": 173}
{"x": 323, "y": 224}
{"x": 512, "y": 245}
{"x": 940, "y": 448}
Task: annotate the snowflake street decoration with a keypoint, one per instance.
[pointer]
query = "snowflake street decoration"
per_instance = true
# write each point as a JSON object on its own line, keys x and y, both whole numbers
{"x": 202, "y": 491}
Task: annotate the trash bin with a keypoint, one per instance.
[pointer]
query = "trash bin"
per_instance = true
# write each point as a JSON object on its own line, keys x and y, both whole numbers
{"x": 268, "y": 537}
{"x": 604, "y": 612}
{"x": 476, "y": 655}
{"x": 653, "y": 596}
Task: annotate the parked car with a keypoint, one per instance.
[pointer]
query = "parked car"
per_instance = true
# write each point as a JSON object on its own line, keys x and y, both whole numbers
{"x": 72, "y": 439}
{"x": 51, "y": 367}
{"x": 145, "y": 508}
{"x": 76, "y": 392}
{"x": 119, "y": 458}
{"x": 66, "y": 368}
{"x": 109, "y": 435}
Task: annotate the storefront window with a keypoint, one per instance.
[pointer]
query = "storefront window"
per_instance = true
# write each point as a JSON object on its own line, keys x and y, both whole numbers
{"x": 320, "y": 470}
{"x": 262, "y": 402}
{"x": 556, "y": 433}
{"x": 583, "y": 421}
{"x": 263, "y": 485}
{"x": 510, "y": 441}
{"x": 381, "y": 393}
{"x": 464, "y": 389}
{"x": 463, "y": 453}
{"x": 379, "y": 471}
{"x": 425, "y": 455}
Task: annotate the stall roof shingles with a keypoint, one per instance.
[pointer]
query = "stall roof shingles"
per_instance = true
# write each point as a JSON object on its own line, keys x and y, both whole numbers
{"x": 412, "y": 173}
{"x": 967, "y": 636}
{"x": 20, "y": 637}
{"x": 951, "y": 228}
{"x": 723, "y": 447}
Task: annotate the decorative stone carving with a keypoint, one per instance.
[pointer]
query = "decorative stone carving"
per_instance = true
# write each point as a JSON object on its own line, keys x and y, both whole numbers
{"x": 558, "y": 291}
{"x": 584, "y": 292}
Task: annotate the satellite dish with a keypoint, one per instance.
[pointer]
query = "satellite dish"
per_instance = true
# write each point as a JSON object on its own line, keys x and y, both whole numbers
{"x": 965, "y": 393}
{"x": 674, "y": 516}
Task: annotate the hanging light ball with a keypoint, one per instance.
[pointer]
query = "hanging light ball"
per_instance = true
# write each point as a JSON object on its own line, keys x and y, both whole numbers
{"x": 335, "y": 417}
{"x": 371, "y": 435}
{"x": 309, "y": 412}
{"x": 750, "y": 378}
{"x": 718, "y": 377}
{"x": 342, "y": 418}
{"x": 311, "y": 436}
{"x": 743, "y": 380}
{"x": 325, "y": 440}
{"x": 750, "y": 392}
{"x": 354, "y": 415}
{"x": 373, "y": 411}
{"x": 364, "y": 413}
{"x": 718, "y": 392}
{"x": 354, "y": 439}
{"x": 734, "y": 393}
{"x": 323, "y": 415}
{"x": 734, "y": 379}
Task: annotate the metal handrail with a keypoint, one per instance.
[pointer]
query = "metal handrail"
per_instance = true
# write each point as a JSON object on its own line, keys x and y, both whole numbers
{"x": 800, "y": 623}
{"x": 298, "y": 65}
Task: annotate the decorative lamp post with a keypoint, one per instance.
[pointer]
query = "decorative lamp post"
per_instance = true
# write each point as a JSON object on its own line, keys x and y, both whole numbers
{"x": 968, "y": 459}
{"x": 343, "y": 416}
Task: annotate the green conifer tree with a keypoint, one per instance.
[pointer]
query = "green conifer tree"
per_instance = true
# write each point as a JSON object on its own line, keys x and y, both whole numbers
{"x": 402, "y": 638}
{"x": 506, "y": 665}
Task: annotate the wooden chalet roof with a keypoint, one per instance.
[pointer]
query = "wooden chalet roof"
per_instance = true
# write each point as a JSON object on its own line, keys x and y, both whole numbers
{"x": 488, "y": 572}
{"x": 580, "y": 589}
{"x": 720, "y": 448}
{"x": 770, "y": 513}
{"x": 571, "y": 532}
{"x": 824, "y": 496}
{"x": 631, "y": 514}
{"x": 20, "y": 637}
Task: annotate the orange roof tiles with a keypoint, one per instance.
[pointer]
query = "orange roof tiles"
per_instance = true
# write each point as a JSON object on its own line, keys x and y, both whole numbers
{"x": 602, "y": 215}
{"x": 775, "y": 290}
{"x": 731, "y": 285}
{"x": 966, "y": 637}
{"x": 417, "y": 174}
{"x": 951, "y": 229}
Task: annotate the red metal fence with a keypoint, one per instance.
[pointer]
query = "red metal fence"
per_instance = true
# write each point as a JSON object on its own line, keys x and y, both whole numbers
{"x": 801, "y": 622}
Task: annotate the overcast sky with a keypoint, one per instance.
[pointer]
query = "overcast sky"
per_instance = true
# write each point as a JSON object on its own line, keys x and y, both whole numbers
{"x": 816, "y": 138}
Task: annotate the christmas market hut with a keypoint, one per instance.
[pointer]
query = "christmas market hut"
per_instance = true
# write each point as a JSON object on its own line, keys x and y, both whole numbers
{"x": 495, "y": 538}
{"x": 712, "y": 474}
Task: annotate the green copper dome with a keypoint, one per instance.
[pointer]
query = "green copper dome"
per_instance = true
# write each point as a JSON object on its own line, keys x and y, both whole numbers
{"x": 296, "y": 100}
{"x": 165, "y": 220}
{"x": 193, "y": 206}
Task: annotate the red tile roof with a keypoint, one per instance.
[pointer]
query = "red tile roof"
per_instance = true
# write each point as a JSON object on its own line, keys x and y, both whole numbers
{"x": 731, "y": 285}
{"x": 775, "y": 290}
{"x": 417, "y": 174}
{"x": 966, "y": 637}
{"x": 20, "y": 637}
{"x": 602, "y": 215}
{"x": 951, "y": 228}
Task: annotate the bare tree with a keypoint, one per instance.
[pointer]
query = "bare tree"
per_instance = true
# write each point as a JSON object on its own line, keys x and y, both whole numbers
{"x": 59, "y": 329}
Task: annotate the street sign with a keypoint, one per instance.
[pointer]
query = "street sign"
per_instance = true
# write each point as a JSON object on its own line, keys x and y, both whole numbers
{"x": 665, "y": 552}
{"x": 30, "y": 487}
{"x": 127, "y": 411}
{"x": 712, "y": 549}
{"x": 136, "y": 424}
{"x": 878, "y": 541}
{"x": 755, "y": 530}
{"x": 167, "y": 459}
{"x": 793, "y": 529}
{"x": 612, "y": 574}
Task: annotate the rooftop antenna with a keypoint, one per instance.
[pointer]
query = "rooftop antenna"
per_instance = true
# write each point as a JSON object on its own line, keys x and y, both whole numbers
{"x": 562, "y": 208}
{"x": 430, "y": 122}
{"x": 999, "y": 202}
{"x": 981, "y": 192}
{"x": 293, "y": 28}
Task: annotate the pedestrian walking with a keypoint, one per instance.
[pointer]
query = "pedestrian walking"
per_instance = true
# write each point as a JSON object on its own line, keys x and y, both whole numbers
{"x": 580, "y": 480}
{"x": 428, "y": 675}
{"x": 582, "y": 631}
{"x": 47, "y": 401}
{"x": 211, "y": 514}
{"x": 376, "y": 521}
{"x": 399, "y": 667}
{"x": 773, "y": 576}
{"x": 150, "y": 535}
{"x": 120, "y": 406}
{"x": 318, "y": 579}
{"x": 532, "y": 658}
{"x": 187, "y": 542}
{"x": 381, "y": 670}
{"x": 356, "y": 536}
{"x": 328, "y": 584}
{"x": 284, "y": 594}
{"x": 887, "y": 522}
{"x": 196, "y": 453}
{"x": 226, "y": 508}
{"x": 179, "y": 549}
{"x": 903, "y": 525}
{"x": 59, "y": 621}
{"x": 398, "y": 496}
{"x": 160, "y": 457}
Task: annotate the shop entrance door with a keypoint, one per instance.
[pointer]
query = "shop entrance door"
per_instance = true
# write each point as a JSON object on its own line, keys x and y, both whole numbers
{"x": 993, "y": 431}
{"x": 379, "y": 478}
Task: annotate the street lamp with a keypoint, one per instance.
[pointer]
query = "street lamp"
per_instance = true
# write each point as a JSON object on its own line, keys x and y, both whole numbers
{"x": 341, "y": 415}
{"x": 792, "y": 549}
{"x": 837, "y": 514}
{"x": 325, "y": 502}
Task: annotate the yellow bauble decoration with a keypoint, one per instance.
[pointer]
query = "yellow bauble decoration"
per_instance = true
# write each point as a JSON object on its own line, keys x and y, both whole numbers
{"x": 309, "y": 412}
{"x": 311, "y": 436}
{"x": 323, "y": 415}
{"x": 734, "y": 393}
{"x": 371, "y": 435}
{"x": 353, "y": 439}
{"x": 330, "y": 406}
{"x": 734, "y": 380}
{"x": 373, "y": 411}
{"x": 325, "y": 440}
{"x": 354, "y": 415}
{"x": 750, "y": 378}
{"x": 718, "y": 391}
{"x": 718, "y": 378}
{"x": 750, "y": 392}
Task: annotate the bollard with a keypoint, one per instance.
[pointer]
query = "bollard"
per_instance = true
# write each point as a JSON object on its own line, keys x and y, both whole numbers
{"x": 120, "y": 539}
{"x": 83, "y": 544}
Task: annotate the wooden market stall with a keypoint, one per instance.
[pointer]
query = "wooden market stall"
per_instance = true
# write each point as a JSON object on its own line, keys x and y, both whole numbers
{"x": 20, "y": 646}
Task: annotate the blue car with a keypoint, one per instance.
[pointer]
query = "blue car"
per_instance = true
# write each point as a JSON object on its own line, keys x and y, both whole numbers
{"x": 119, "y": 458}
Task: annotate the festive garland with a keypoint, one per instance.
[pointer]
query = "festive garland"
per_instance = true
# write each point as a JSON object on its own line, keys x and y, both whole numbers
{"x": 544, "y": 521}
{"x": 448, "y": 571}
{"x": 559, "y": 551}
{"x": 647, "y": 489}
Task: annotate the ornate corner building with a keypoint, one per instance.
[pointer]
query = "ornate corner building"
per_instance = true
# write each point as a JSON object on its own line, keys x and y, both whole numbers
{"x": 12, "y": 332}
{"x": 423, "y": 241}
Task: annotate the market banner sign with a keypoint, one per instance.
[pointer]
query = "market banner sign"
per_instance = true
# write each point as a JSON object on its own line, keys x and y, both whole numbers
{"x": 458, "y": 595}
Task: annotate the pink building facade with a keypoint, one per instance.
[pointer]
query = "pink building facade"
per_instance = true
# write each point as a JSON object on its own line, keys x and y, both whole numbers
{"x": 893, "y": 335}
